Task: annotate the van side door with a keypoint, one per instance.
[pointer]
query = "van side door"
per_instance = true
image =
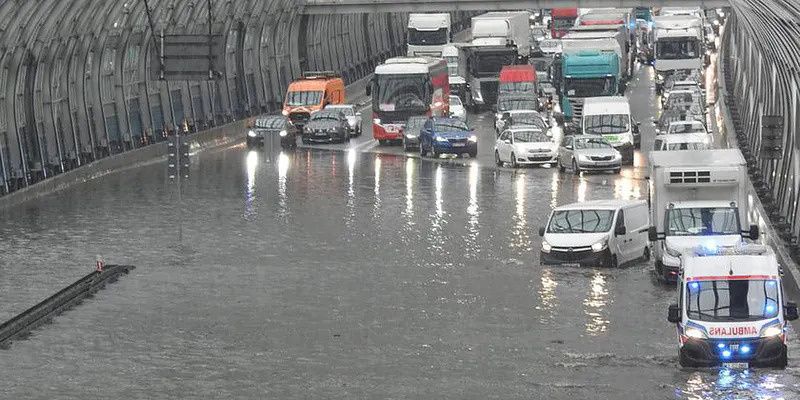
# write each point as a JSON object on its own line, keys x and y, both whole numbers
{"x": 622, "y": 241}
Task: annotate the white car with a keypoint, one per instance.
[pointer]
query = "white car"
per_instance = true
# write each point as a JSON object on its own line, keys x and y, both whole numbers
{"x": 353, "y": 116}
{"x": 457, "y": 109}
{"x": 528, "y": 145}
{"x": 681, "y": 141}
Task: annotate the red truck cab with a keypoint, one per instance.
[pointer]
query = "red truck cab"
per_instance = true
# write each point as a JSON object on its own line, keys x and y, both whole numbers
{"x": 518, "y": 79}
{"x": 562, "y": 20}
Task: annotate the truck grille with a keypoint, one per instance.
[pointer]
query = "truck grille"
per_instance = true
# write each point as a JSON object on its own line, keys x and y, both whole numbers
{"x": 690, "y": 177}
{"x": 577, "y": 108}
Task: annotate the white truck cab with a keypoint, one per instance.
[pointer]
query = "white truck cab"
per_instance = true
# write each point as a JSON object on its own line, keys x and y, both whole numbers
{"x": 697, "y": 197}
{"x": 596, "y": 233}
{"x": 678, "y": 43}
{"x": 428, "y": 33}
{"x": 731, "y": 308}
{"x": 610, "y": 116}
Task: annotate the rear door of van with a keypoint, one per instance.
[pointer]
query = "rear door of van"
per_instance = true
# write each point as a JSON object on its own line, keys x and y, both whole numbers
{"x": 637, "y": 221}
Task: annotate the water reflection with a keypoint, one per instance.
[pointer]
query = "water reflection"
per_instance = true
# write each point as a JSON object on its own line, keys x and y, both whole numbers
{"x": 351, "y": 194}
{"x": 473, "y": 211}
{"x": 733, "y": 383}
{"x": 625, "y": 188}
{"x": 439, "y": 185}
{"x": 520, "y": 237}
{"x": 554, "y": 190}
{"x": 251, "y": 164}
{"x": 409, "y": 211}
{"x": 283, "y": 168}
{"x": 582, "y": 187}
{"x": 547, "y": 295}
{"x": 596, "y": 305}
{"x": 377, "y": 190}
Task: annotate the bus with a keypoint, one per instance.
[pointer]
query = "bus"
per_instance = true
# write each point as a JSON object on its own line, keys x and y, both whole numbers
{"x": 407, "y": 86}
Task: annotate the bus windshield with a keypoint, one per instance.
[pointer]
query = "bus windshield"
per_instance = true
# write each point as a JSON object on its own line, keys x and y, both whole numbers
{"x": 703, "y": 221}
{"x": 406, "y": 92}
{"x": 732, "y": 300}
{"x": 590, "y": 87}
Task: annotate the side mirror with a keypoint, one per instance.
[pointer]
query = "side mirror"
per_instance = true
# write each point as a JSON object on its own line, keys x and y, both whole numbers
{"x": 674, "y": 313}
{"x": 652, "y": 234}
{"x": 635, "y": 128}
{"x": 559, "y": 117}
{"x": 790, "y": 311}
{"x": 620, "y": 230}
{"x": 754, "y": 232}
{"x": 541, "y": 233}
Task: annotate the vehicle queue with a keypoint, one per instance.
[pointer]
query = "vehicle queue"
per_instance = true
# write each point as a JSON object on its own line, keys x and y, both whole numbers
{"x": 557, "y": 92}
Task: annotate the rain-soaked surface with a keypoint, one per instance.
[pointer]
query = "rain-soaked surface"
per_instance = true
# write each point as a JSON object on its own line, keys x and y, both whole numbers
{"x": 320, "y": 274}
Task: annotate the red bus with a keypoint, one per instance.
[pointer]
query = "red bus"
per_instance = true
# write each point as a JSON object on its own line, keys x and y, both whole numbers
{"x": 407, "y": 86}
{"x": 562, "y": 20}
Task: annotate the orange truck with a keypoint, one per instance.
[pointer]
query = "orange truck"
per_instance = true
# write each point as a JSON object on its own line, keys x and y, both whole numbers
{"x": 311, "y": 93}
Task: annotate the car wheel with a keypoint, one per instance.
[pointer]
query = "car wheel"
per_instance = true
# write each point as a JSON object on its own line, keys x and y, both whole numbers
{"x": 575, "y": 169}
{"x": 421, "y": 149}
{"x": 614, "y": 262}
{"x": 514, "y": 161}
{"x": 434, "y": 153}
{"x": 497, "y": 159}
{"x": 617, "y": 171}
{"x": 306, "y": 141}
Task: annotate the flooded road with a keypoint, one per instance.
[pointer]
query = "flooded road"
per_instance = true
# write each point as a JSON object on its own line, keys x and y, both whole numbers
{"x": 342, "y": 274}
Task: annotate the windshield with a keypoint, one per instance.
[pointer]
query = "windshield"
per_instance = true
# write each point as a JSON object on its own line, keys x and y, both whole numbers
{"x": 402, "y": 93}
{"x": 591, "y": 87}
{"x": 516, "y": 104}
{"x": 702, "y": 221}
{"x": 455, "y": 101}
{"x": 687, "y": 128}
{"x": 606, "y": 124}
{"x": 415, "y": 124}
{"x": 347, "y": 111}
{"x": 303, "y": 98}
{"x": 580, "y": 221}
{"x": 271, "y": 123}
{"x": 593, "y": 143}
{"x": 516, "y": 87}
{"x": 427, "y": 38}
{"x": 686, "y": 146}
{"x": 334, "y": 116}
{"x": 532, "y": 136}
{"x": 490, "y": 63}
{"x": 732, "y": 300}
{"x": 527, "y": 119}
{"x": 450, "y": 126}
{"x": 677, "y": 49}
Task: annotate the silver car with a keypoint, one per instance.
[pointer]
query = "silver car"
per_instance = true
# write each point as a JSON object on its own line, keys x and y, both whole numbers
{"x": 353, "y": 116}
{"x": 588, "y": 153}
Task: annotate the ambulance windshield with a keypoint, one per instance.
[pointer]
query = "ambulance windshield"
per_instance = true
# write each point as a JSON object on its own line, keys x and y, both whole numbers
{"x": 731, "y": 300}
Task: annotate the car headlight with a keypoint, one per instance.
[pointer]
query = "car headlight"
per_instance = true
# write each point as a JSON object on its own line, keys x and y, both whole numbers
{"x": 617, "y": 156}
{"x": 376, "y": 121}
{"x": 772, "y": 330}
{"x": 251, "y": 133}
{"x": 411, "y": 136}
{"x": 441, "y": 139}
{"x": 498, "y": 116}
{"x": 283, "y": 133}
{"x": 695, "y": 333}
{"x": 546, "y": 247}
{"x": 600, "y": 246}
{"x": 285, "y": 113}
{"x": 715, "y": 22}
{"x": 473, "y": 138}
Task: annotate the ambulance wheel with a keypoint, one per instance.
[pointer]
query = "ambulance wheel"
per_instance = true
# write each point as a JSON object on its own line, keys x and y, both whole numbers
{"x": 646, "y": 254}
{"x": 782, "y": 361}
{"x": 684, "y": 361}
{"x": 614, "y": 263}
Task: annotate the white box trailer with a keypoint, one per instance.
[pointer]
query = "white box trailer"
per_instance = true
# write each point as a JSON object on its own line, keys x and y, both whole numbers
{"x": 697, "y": 197}
{"x": 503, "y": 28}
{"x": 428, "y": 33}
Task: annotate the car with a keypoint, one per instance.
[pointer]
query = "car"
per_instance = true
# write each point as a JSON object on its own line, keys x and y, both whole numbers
{"x": 457, "y": 109}
{"x": 588, "y": 153}
{"x": 353, "y": 116}
{"x": 685, "y": 99}
{"x": 268, "y": 125}
{"x": 522, "y": 117}
{"x": 525, "y": 145}
{"x": 679, "y": 127}
{"x": 670, "y": 116}
{"x": 596, "y": 233}
{"x": 326, "y": 126}
{"x": 514, "y": 102}
{"x": 447, "y": 136}
{"x": 412, "y": 131}
{"x": 678, "y": 141}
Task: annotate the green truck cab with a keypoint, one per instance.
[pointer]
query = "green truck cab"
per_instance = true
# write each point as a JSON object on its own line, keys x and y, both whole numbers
{"x": 587, "y": 73}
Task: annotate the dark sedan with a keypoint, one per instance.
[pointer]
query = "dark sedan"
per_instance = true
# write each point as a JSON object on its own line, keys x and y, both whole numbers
{"x": 326, "y": 126}
{"x": 266, "y": 127}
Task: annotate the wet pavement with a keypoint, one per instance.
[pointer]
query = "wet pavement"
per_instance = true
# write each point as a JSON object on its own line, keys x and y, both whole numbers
{"x": 343, "y": 274}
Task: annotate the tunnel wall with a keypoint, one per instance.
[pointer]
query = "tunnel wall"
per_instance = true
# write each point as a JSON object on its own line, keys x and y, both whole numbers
{"x": 75, "y": 75}
{"x": 762, "y": 73}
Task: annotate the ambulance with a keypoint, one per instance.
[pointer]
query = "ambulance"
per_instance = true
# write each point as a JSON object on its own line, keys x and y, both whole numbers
{"x": 731, "y": 308}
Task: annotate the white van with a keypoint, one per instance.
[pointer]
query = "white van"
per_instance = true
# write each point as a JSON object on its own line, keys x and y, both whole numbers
{"x": 731, "y": 308}
{"x": 596, "y": 233}
{"x": 610, "y": 117}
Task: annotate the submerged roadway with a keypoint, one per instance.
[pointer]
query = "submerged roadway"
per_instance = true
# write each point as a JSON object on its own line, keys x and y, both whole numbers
{"x": 359, "y": 273}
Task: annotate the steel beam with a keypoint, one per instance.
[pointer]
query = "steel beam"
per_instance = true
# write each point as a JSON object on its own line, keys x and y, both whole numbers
{"x": 373, "y": 6}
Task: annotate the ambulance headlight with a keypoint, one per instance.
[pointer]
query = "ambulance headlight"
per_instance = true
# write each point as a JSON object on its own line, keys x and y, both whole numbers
{"x": 599, "y": 246}
{"x": 251, "y": 133}
{"x": 285, "y": 113}
{"x": 546, "y": 247}
{"x": 772, "y": 330}
{"x": 283, "y": 133}
{"x": 695, "y": 333}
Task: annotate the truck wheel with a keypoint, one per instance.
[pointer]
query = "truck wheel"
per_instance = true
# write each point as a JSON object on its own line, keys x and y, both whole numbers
{"x": 684, "y": 361}
{"x": 614, "y": 262}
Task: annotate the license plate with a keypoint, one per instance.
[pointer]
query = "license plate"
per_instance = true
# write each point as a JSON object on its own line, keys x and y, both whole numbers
{"x": 736, "y": 365}
{"x": 458, "y": 144}
{"x": 612, "y": 138}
